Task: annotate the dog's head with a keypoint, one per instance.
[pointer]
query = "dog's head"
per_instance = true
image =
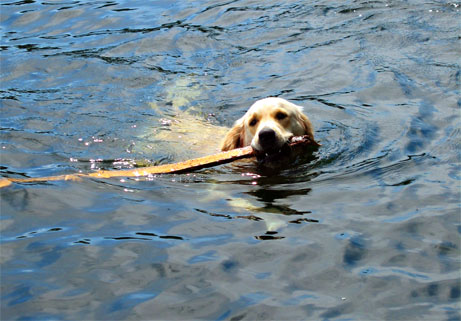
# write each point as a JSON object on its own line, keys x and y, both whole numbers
{"x": 268, "y": 126}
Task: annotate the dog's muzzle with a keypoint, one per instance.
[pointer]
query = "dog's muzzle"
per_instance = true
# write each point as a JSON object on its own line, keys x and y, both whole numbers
{"x": 267, "y": 138}
{"x": 269, "y": 143}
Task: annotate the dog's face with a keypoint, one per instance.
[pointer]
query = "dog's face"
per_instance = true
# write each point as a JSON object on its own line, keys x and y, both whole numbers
{"x": 268, "y": 125}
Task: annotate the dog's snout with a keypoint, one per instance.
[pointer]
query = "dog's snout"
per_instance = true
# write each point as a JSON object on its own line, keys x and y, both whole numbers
{"x": 266, "y": 136}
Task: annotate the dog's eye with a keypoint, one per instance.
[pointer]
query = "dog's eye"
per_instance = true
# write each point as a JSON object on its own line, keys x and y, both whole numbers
{"x": 253, "y": 122}
{"x": 280, "y": 115}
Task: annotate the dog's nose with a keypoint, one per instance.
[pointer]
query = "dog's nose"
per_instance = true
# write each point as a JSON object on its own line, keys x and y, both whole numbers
{"x": 266, "y": 136}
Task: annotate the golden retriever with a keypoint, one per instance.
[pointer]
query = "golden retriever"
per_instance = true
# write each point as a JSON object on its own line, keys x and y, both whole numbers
{"x": 268, "y": 126}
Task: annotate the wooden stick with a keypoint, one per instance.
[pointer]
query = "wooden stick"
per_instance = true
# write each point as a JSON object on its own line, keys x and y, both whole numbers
{"x": 189, "y": 165}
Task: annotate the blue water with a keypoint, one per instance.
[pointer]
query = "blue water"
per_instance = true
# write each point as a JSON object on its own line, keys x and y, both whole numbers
{"x": 366, "y": 228}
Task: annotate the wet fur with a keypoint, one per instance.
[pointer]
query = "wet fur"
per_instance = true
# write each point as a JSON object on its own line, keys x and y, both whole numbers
{"x": 264, "y": 115}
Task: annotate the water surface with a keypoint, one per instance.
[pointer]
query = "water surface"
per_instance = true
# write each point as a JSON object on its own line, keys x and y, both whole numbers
{"x": 367, "y": 228}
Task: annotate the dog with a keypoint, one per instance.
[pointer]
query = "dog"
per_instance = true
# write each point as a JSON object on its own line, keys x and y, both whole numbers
{"x": 268, "y": 126}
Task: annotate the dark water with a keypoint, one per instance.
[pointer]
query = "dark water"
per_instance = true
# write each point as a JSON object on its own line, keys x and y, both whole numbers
{"x": 368, "y": 230}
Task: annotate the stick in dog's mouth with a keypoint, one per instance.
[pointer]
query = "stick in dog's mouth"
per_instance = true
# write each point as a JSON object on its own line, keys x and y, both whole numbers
{"x": 294, "y": 143}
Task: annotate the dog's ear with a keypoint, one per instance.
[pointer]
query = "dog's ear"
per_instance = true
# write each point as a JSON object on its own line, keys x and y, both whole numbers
{"x": 234, "y": 137}
{"x": 308, "y": 128}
